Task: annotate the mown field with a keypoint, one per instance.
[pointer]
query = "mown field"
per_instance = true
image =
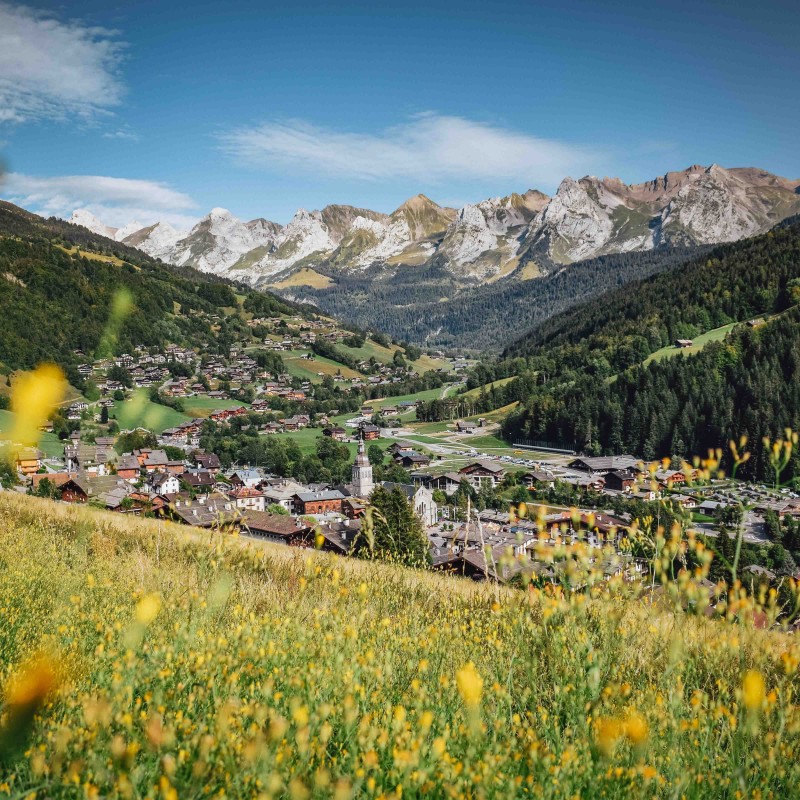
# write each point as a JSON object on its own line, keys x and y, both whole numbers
{"x": 140, "y": 659}
{"x": 49, "y": 443}
{"x": 698, "y": 343}
{"x": 315, "y": 369}
{"x": 139, "y": 410}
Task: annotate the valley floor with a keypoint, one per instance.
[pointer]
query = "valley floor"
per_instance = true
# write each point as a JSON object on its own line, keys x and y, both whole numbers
{"x": 168, "y": 662}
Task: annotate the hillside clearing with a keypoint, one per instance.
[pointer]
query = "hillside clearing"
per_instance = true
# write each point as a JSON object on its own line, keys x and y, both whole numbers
{"x": 698, "y": 343}
{"x": 476, "y": 392}
{"x": 304, "y": 277}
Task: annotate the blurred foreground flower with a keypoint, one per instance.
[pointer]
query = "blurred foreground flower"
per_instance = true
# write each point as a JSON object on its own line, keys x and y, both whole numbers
{"x": 147, "y": 608}
{"x": 754, "y": 690}
{"x": 35, "y": 396}
{"x": 24, "y": 695}
{"x": 470, "y": 685}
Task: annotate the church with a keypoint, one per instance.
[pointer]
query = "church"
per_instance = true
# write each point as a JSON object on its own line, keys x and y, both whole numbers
{"x": 362, "y": 485}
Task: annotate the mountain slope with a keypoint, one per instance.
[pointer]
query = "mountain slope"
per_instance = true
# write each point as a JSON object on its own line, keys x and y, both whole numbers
{"x": 700, "y": 205}
{"x": 238, "y": 658}
{"x": 594, "y": 387}
{"x": 401, "y": 271}
{"x": 60, "y": 280}
{"x": 428, "y": 306}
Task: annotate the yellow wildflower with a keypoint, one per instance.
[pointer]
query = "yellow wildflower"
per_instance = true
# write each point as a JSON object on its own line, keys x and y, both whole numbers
{"x": 470, "y": 685}
{"x": 636, "y": 728}
{"x": 147, "y": 608}
{"x": 35, "y": 396}
{"x": 753, "y": 690}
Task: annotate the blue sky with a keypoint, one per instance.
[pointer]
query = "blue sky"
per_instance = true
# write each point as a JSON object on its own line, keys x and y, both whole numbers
{"x": 164, "y": 109}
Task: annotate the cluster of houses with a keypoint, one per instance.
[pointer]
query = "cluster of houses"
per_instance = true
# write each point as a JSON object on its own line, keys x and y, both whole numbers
{"x": 199, "y": 493}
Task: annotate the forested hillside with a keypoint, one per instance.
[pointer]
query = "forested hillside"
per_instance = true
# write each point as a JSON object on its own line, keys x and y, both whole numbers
{"x": 731, "y": 283}
{"x": 58, "y": 284}
{"x": 427, "y": 305}
{"x": 583, "y": 381}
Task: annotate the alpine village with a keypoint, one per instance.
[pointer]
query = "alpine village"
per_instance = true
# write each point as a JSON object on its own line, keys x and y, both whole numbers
{"x": 431, "y": 469}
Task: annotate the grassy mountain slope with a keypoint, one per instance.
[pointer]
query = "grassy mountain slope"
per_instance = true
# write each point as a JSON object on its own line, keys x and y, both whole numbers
{"x": 60, "y": 281}
{"x": 191, "y": 666}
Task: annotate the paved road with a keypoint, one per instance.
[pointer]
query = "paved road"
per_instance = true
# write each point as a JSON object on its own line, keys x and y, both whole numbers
{"x": 754, "y": 532}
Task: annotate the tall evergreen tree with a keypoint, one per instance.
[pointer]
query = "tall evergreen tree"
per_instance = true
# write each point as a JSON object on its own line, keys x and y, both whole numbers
{"x": 392, "y": 531}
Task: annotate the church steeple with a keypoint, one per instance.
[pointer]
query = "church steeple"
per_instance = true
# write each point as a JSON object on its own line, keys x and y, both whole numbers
{"x": 362, "y": 483}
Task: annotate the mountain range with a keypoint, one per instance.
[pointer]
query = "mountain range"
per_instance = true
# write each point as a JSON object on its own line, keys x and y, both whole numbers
{"x": 521, "y": 236}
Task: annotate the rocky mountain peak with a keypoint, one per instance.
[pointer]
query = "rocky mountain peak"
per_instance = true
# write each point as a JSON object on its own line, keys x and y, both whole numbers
{"x": 485, "y": 240}
{"x": 84, "y": 217}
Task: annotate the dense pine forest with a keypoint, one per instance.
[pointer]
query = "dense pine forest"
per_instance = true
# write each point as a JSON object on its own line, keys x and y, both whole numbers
{"x": 583, "y": 381}
{"x": 409, "y": 306}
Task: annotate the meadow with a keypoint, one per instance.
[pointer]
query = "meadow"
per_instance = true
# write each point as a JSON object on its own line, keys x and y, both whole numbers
{"x": 48, "y": 443}
{"x": 139, "y": 410}
{"x": 698, "y": 343}
{"x": 143, "y": 659}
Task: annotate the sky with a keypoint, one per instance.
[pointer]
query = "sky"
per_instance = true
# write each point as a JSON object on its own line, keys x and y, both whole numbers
{"x": 163, "y": 110}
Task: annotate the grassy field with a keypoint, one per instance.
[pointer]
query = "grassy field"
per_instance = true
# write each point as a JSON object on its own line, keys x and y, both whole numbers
{"x": 203, "y": 406}
{"x": 304, "y": 277}
{"x": 393, "y": 400}
{"x": 432, "y": 427}
{"x": 107, "y": 259}
{"x": 422, "y": 439}
{"x": 306, "y": 439}
{"x": 49, "y": 443}
{"x": 159, "y": 661}
{"x": 138, "y": 411}
{"x": 384, "y": 355}
{"x": 309, "y": 370}
{"x": 698, "y": 343}
{"x": 477, "y": 391}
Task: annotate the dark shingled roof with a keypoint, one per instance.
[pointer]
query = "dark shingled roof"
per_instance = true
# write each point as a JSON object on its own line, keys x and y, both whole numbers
{"x": 275, "y": 524}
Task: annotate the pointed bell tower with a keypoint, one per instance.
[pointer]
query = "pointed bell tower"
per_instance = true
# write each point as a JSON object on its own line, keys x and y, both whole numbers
{"x": 362, "y": 483}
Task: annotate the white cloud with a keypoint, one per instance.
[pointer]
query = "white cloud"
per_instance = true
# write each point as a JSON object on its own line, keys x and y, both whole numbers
{"x": 115, "y": 201}
{"x": 54, "y": 69}
{"x": 429, "y": 147}
{"x": 123, "y": 133}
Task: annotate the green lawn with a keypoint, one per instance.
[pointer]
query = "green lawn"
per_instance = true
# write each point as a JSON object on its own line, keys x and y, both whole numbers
{"x": 432, "y": 427}
{"x": 203, "y": 406}
{"x": 384, "y": 355}
{"x": 308, "y": 370}
{"x": 486, "y": 442}
{"x": 476, "y": 392}
{"x": 49, "y": 444}
{"x": 415, "y": 437}
{"x": 428, "y": 394}
{"x": 306, "y": 439}
{"x": 698, "y": 343}
{"x": 139, "y": 411}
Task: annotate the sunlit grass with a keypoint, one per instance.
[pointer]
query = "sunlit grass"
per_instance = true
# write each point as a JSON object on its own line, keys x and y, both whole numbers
{"x": 197, "y": 665}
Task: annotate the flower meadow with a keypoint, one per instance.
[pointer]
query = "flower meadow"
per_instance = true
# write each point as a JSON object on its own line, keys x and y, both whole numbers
{"x": 143, "y": 660}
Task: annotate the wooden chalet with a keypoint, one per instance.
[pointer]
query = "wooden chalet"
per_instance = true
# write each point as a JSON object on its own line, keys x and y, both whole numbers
{"x": 336, "y": 433}
{"x": 279, "y": 528}
{"x": 482, "y": 471}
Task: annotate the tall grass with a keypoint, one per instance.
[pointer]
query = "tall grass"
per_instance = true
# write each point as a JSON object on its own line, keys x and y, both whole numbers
{"x": 153, "y": 661}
